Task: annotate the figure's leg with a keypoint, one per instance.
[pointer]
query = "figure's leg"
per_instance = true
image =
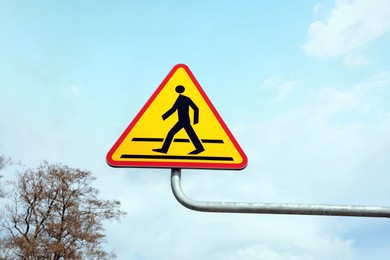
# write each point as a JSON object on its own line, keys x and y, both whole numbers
{"x": 194, "y": 139}
{"x": 168, "y": 140}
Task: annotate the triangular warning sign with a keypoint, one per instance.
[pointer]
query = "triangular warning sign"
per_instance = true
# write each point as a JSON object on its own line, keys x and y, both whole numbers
{"x": 178, "y": 128}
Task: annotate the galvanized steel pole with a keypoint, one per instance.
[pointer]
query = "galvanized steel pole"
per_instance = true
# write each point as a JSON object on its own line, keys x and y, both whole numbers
{"x": 273, "y": 208}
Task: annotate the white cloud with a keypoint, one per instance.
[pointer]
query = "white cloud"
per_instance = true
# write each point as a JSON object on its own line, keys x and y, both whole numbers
{"x": 356, "y": 60}
{"x": 319, "y": 248}
{"x": 317, "y": 8}
{"x": 328, "y": 143}
{"x": 331, "y": 101}
{"x": 350, "y": 26}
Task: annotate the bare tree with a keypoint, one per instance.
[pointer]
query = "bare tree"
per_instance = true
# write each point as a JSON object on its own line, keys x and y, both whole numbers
{"x": 4, "y": 162}
{"x": 54, "y": 213}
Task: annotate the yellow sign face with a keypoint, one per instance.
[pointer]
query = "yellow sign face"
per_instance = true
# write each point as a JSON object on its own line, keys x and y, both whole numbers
{"x": 178, "y": 128}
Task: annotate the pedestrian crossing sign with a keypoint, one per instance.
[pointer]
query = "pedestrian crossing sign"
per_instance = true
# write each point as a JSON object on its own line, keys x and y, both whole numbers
{"x": 178, "y": 127}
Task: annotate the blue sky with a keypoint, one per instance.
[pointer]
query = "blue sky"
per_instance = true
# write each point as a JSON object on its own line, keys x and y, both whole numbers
{"x": 304, "y": 86}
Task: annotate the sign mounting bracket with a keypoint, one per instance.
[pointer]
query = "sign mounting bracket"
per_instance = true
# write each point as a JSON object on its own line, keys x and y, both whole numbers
{"x": 273, "y": 208}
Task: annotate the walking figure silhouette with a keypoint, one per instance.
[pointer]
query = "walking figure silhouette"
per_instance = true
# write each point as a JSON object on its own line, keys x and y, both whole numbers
{"x": 182, "y": 105}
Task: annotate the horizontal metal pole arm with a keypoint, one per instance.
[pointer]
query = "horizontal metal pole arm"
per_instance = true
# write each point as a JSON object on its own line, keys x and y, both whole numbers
{"x": 273, "y": 208}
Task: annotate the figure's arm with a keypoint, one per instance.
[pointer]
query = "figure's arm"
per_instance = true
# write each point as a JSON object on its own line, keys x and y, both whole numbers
{"x": 196, "y": 112}
{"x": 169, "y": 112}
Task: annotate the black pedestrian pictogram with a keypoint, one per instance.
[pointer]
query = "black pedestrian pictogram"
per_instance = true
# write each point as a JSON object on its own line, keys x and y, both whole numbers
{"x": 182, "y": 106}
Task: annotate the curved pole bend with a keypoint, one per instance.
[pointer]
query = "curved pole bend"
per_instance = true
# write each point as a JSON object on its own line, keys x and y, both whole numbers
{"x": 273, "y": 208}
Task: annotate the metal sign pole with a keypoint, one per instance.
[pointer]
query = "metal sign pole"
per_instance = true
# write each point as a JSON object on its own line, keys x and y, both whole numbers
{"x": 273, "y": 208}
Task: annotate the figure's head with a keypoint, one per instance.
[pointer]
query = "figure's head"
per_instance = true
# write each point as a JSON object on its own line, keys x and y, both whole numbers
{"x": 180, "y": 89}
